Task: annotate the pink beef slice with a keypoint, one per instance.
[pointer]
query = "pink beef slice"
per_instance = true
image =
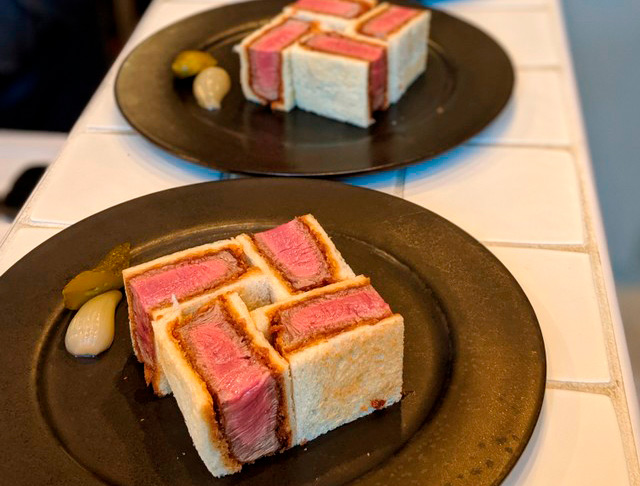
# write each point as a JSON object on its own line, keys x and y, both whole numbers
{"x": 339, "y": 8}
{"x": 265, "y": 61}
{"x": 292, "y": 249}
{"x": 376, "y": 56}
{"x": 329, "y": 314}
{"x": 154, "y": 288}
{"x": 247, "y": 392}
{"x": 388, "y": 21}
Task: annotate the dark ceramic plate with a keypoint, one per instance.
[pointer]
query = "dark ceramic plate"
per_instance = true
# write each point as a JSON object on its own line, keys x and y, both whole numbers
{"x": 468, "y": 81}
{"x": 474, "y": 368}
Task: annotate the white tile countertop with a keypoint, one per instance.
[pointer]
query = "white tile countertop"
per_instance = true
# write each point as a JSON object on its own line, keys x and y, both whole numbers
{"x": 523, "y": 187}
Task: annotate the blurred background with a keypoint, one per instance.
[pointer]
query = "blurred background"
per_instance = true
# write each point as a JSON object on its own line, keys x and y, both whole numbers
{"x": 54, "y": 53}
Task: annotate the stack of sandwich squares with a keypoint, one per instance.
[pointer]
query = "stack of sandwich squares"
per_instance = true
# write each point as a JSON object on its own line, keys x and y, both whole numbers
{"x": 266, "y": 341}
{"x": 343, "y": 59}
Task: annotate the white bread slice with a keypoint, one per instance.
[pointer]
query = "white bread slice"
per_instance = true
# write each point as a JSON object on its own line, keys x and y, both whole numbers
{"x": 332, "y": 85}
{"x": 279, "y": 287}
{"x": 192, "y": 395}
{"x": 341, "y": 378}
{"x": 346, "y": 377}
{"x": 253, "y": 285}
{"x": 194, "y": 402}
{"x": 287, "y": 102}
{"x": 407, "y": 50}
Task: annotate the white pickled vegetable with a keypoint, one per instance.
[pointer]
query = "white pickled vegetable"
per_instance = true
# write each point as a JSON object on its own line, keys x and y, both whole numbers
{"x": 91, "y": 329}
{"x": 210, "y": 86}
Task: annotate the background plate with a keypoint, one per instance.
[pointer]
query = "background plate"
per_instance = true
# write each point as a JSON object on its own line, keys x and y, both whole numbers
{"x": 467, "y": 83}
{"x": 474, "y": 369}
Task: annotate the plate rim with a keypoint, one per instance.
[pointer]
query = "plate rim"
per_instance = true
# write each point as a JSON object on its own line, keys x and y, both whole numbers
{"x": 172, "y": 149}
{"x": 169, "y": 193}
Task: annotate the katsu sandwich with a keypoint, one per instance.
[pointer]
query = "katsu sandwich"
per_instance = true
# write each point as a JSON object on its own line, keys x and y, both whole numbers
{"x": 266, "y": 341}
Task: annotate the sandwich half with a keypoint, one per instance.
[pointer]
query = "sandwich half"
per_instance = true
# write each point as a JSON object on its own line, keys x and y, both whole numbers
{"x": 265, "y": 62}
{"x": 196, "y": 273}
{"x": 406, "y": 32}
{"x": 233, "y": 389}
{"x": 296, "y": 256}
{"x": 340, "y": 76}
{"x": 345, "y": 350}
{"x": 336, "y": 15}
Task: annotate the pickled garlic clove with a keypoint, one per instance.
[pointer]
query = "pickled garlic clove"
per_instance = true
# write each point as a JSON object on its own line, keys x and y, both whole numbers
{"x": 91, "y": 329}
{"x": 210, "y": 86}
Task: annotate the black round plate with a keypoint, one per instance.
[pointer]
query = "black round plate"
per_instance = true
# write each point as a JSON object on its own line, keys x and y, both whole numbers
{"x": 468, "y": 81}
{"x": 474, "y": 366}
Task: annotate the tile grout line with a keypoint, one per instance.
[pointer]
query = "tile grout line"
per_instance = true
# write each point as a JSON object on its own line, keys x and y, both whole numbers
{"x": 43, "y": 224}
{"x": 97, "y": 130}
{"x": 606, "y": 388}
{"x": 616, "y": 390}
{"x": 547, "y": 66}
{"x": 24, "y": 215}
{"x": 17, "y": 226}
{"x": 567, "y": 247}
